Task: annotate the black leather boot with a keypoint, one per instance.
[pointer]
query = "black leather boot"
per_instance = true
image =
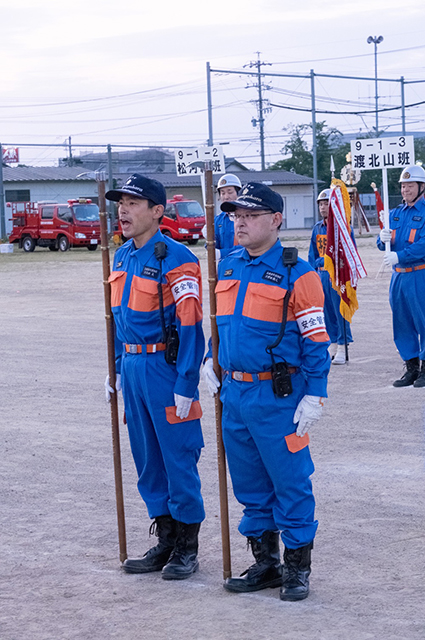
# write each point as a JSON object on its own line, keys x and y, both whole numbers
{"x": 420, "y": 380}
{"x": 165, "y": 528}
{"x": 183, "y": 560}
{"x": 296, "y": 570}
{"x": 412, "y": 372}
{"x": 267, "y": 570}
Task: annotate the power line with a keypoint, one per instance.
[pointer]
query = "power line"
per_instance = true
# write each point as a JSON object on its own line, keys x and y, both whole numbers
{"x": 351, "y": 113}
{"x": 359, "y": 55}
{"x": 122, "y": 95}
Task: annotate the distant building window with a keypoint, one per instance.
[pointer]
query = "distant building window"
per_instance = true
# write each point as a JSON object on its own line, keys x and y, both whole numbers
{"x": 16, "y": 195}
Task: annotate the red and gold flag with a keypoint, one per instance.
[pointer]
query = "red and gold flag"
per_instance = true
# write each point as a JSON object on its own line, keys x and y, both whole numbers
{"x": 342, "y": 259}
{"x": 379, "y": 205}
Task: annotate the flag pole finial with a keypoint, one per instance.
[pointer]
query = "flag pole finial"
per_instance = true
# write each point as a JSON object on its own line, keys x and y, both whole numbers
{"x": 332, "y": 168}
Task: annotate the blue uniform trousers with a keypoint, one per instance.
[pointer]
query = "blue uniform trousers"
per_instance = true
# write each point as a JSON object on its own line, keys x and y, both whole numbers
{"x": 333, "y": 318}
{"x": 272, "y": 483}
{"x": 407, "y": 304}
{"x": 165, "y": 454}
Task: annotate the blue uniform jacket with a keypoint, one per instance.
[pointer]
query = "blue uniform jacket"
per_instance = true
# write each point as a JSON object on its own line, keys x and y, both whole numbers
{"x": 408, "y": 239}
{"x": 224, "y": 234}
{"x": 135, "y": 304}
{"x": 316, "y": 253}
{"x": 250, "y": 294}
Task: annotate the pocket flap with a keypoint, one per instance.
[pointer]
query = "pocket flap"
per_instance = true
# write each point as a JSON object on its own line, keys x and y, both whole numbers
{"x": 195, "y": 413}
{"x": 266, "y": 291}
{"x": 115, "y": 275}
{"x": 225, "y": 285}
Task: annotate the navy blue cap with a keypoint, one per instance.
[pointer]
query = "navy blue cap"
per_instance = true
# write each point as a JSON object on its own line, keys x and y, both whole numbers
{"x": 255, "y": 196}
{"x": 140, "y": 187}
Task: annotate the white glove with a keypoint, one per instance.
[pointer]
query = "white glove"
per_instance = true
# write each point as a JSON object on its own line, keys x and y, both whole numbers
{"x": 183, "y": 405}
{"x": 204, "y": 231}
{"x": 211, "y": 380}
{"x": 217, "y": 255}
{"x": 391, "y": 258}
{"x": 385, "y": 235}
{"x": 309, "y": 410}
{"x": 109, "y": 389}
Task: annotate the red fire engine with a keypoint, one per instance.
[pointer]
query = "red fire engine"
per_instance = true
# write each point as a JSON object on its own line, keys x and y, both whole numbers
{"x": 57, "y": 226}
{"x": 183, "y": 220}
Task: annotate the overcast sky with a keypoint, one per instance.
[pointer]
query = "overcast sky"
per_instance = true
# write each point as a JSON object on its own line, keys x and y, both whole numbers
{"x": 134, "y": 72}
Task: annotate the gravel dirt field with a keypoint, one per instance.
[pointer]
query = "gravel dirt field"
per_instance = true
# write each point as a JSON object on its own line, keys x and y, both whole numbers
{"x": 60, "y": 570}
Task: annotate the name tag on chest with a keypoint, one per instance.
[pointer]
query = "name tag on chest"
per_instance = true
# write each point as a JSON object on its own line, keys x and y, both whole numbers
{"x": 272, "y": 276}
{"x": 150, "y": 272}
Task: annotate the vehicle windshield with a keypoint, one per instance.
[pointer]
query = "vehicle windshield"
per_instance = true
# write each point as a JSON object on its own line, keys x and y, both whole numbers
{"x": 86, "y": 212}
{"x": 190, "y": 209}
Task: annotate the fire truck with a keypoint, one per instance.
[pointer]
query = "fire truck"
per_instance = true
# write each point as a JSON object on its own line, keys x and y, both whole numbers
{"x": 183, "y": 221}
{"x": 54, "y": 225}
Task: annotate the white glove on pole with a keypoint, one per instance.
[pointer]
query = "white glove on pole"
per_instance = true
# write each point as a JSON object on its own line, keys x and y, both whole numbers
{"x": 204, "y": 231}
{"x": 211, "y": 380}
{"x": 391, "y": 258}
{"x": 385, "y": 235}
{"x": 183, "y": 405}
{"x": 309, "y": 410}
{"x": 109, "y": 389}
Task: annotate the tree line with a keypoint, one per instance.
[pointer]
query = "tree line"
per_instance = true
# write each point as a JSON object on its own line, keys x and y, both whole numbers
{"x": 329, "y": 143}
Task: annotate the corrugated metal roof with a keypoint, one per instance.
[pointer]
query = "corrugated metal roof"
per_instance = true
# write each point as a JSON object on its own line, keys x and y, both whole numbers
{"x": 43, "y": 174}
{"x": 171, "y": 180}
{"x": 168, "y": 179}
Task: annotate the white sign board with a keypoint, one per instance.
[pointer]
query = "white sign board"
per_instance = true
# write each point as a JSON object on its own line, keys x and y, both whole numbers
{"x": 382, "y": 153}
{"x": 184, "y": 158}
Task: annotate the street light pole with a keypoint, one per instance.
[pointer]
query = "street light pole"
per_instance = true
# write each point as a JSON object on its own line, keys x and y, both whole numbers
{"x": 376, "y": 40}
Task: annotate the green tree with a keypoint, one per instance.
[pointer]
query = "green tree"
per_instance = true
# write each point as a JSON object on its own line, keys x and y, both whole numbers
{"x": 300, "y": 160}
{"x": 328, "y": 139}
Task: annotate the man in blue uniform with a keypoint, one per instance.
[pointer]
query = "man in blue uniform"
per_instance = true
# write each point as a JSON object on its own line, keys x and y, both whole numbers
{"x": 228, "y": 188}
{"x": 156, "y": 301}
{"x": 407, "y": 288}
{"x": 274, "y": 354}
{"x": 338, "y": 328}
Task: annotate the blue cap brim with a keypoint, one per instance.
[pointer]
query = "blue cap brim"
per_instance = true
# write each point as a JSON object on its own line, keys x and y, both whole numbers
{"x": 232, "y": 205}
{"x": 116, "y": 194}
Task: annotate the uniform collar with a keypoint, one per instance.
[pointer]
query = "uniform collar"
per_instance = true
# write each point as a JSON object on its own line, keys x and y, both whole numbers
{"x": 419, "y": 204}
{"x": 148, "y": 247}
{"x": 270, "y": 258}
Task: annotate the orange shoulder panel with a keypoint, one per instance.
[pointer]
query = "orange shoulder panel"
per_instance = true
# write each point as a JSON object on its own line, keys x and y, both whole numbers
{"x": 306, "y": 305}
{"x": 185, "y": 284}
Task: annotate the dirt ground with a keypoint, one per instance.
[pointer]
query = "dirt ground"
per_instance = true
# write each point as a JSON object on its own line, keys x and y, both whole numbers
{"x": 60, "y": 570}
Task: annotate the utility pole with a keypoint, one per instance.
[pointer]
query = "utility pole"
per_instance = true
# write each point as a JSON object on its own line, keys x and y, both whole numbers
{"x": 70, "y": 159}
{"x": 260, "y": 104}
{"x": 403, "y": 110}
{"x": 110, "y": 204}
{"x": 209, "y": 100}
{"x": 313, "y": 129}
{"x": 376, "y": 40}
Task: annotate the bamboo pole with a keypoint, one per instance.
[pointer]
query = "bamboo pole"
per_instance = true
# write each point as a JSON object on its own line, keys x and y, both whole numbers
{"x": 110, "y": 338}
{"x": 221, "y": 456}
